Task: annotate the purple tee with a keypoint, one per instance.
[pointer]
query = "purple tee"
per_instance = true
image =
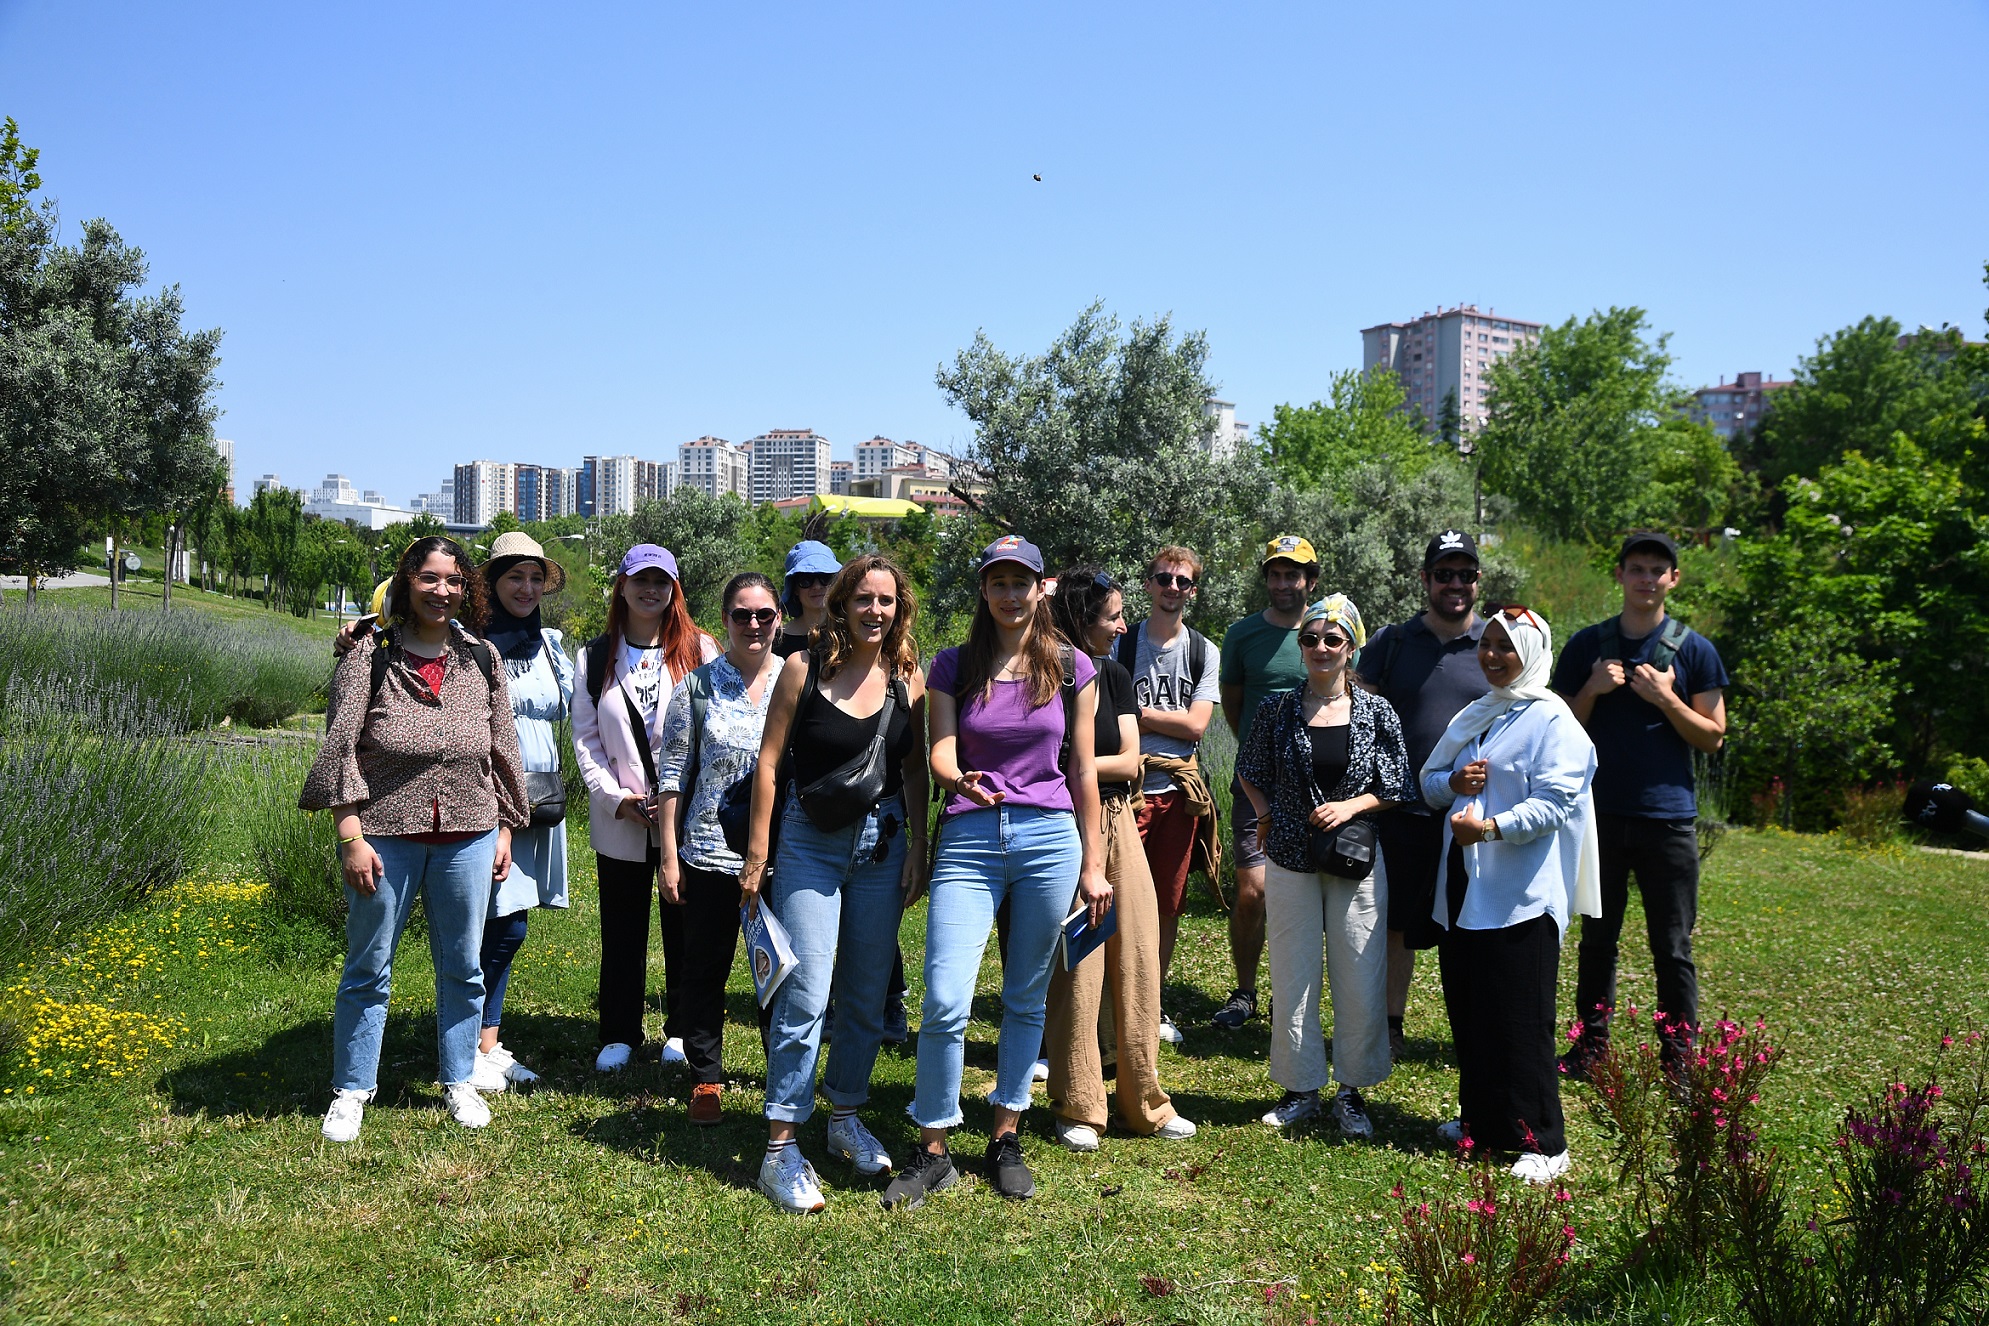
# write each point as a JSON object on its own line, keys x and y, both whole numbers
{"x": 1014, "y": 746}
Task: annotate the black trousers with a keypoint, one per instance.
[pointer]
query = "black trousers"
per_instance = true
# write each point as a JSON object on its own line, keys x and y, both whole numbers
{"x": 626, "y": 888}
{"x": 1412, "y": 848}
{"x": 711, "y": 940}
{"x": 1498, "y": 987}
{"x": 1664, "y": 856}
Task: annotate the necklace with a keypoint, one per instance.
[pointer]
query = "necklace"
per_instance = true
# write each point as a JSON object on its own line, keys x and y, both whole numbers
{"x": 1325, "y": 700}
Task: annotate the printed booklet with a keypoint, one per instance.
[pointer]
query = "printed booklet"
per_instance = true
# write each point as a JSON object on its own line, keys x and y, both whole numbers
{"x": 1080, "y": 939}
{"x": 769, "y": 952}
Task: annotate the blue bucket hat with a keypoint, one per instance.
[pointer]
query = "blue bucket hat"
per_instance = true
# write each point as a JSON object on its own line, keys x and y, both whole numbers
{"x": 810, "y": 557}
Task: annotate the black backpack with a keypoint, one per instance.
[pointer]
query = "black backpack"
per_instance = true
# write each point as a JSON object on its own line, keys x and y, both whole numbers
{"x": 1609, "y": 641}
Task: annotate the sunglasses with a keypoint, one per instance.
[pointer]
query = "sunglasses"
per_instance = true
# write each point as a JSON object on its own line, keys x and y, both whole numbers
{"x": 1519, "y": 612}
{"x": 1313, "y": 640}
{"x": 887, "y": 829}
{"x": 811, "y": 580}
{"x": 752, "y": 616}
{"x": 1444, "y": 575}
{"x": 1167, "y": 580}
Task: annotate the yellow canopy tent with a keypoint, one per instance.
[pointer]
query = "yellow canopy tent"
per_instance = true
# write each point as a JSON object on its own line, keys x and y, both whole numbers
{"x": 864, "y": 508}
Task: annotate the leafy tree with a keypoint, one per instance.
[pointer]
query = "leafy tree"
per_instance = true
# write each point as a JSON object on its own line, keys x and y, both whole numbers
{"x": 275, "y": 527}
{"x": 1692, "y": 482}
{"x": 395, "y": 539}
{"x": 1569, "y": 436}
{"x": 18, "y": 180}
{"x": 1361, "y": 421}
{"x": 1095, "y": 450}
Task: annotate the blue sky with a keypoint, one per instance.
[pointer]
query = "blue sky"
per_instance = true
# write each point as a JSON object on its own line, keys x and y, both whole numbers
{"x": 439, "y": 233}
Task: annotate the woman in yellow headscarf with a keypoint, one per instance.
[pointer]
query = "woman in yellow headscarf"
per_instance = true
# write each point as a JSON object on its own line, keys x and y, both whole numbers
{"x": 1321, "y": 760}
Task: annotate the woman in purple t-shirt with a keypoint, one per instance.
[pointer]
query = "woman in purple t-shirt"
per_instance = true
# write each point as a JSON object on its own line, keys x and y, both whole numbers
{"x": 1015, "y": 828}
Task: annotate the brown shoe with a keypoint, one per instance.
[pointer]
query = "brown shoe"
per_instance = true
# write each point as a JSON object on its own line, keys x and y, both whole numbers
{"x": 705, "y": 1106}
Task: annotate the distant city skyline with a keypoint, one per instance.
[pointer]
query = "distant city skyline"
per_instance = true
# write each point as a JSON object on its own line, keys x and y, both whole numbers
{"x": 445, "y": 232}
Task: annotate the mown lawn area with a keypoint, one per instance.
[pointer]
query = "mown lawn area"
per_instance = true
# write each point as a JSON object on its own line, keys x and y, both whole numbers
{"x": 145, "y": 595}
{"x": 167, "y": 1167}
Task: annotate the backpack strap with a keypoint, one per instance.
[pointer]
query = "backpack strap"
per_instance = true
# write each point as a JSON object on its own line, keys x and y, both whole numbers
{"x": 598, "y": 657}
{"x": 388, "y": 648}
{"x": 1391, "y": 650}
{"x": 1609, "y": 639}
{"x": 1670, "y": 637}
{"x": 486, "y": 662}
{"x": 1067, "y": 660}
{"x": 1198, "y": 660}
{"x": 697, "y": 688}
{"x": 1128, "y": 649}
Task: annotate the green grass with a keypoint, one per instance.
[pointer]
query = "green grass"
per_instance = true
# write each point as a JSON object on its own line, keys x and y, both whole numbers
{"x": 194, "y": 1186}
{"x": 145, "y": 595}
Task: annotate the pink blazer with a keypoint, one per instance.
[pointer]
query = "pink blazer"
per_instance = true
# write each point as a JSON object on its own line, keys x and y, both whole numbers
{"x": 610, "y": 762}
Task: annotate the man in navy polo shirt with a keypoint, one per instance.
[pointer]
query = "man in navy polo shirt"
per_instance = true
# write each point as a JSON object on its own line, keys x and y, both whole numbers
{"x": 1427, "y": 668}
{"x": 1651, "y": 692}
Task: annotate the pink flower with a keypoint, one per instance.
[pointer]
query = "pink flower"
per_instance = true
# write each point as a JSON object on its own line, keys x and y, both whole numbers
{"x": 1470, "y": 1259}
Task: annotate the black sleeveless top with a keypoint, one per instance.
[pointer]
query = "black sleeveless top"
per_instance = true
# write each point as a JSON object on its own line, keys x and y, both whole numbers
{"x": 1330, "y": 753}
{"x": 826, "y": 738}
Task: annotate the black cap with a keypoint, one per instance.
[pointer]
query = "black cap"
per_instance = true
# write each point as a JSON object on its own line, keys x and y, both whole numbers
{"x": 1450, "y": 543}
{"x": 1649, "y": 539}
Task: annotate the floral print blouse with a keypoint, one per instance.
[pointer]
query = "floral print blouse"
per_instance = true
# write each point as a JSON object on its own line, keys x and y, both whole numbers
{"x": 1277, "y": 760}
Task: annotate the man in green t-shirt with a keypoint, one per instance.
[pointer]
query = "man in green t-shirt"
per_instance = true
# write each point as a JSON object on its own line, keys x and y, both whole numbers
{"x": 1259, "y": 655}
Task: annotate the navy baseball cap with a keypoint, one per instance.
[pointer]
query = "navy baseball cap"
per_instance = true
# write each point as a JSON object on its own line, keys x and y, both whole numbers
{"x": 1012, "y": 548}
{"x": 1656, "y": 539}
{"x": 1450, "y": 543}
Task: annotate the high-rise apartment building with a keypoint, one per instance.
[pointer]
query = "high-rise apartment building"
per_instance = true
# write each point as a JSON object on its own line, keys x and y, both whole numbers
{"x": 617, "y": 483}
{"x": 840, "y": 474}
{"x": 715, "y": 467}
{"x": 1443, "y": 356}
{"x": 789, "y": 462}
{"x": 267, "y": 483}
{"x": 484, "y": 488}
{"x": 226, "y": 451}
{"x": 546, "y": 492}
{"x": 881, "y": 453}
{"x": 1222, "y": 435}
{"x": 1736, "y": 407}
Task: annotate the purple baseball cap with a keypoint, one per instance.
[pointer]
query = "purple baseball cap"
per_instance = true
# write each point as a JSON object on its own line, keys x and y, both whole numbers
{"x": 1012, "y": 548}
{"x": 645, "y": 555}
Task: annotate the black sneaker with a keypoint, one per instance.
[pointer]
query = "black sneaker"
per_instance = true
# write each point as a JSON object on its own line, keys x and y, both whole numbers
{"x": 1242, "y": 1006}
{"x": 897, "y": 1026}
{"x": 924, "y": 1173}
{"x": 1006, "y": 1170}
{"x": 1575, "y": 1060}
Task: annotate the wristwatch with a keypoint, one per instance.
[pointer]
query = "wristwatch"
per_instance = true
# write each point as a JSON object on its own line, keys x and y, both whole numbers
{"x": 1492, "y": 834}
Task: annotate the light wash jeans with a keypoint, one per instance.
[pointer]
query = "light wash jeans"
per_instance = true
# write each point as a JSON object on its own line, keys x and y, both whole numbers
{"x": 454, "y": 878}
{"x": 841, "y": 908}
{"x": 1031, "y": 857}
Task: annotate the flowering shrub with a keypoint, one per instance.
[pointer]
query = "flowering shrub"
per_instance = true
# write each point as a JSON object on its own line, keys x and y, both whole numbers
{"x": 1671, "y": 1123}
{"x": 1489, "y": 1258}
{"x": 1912, "y": 1245}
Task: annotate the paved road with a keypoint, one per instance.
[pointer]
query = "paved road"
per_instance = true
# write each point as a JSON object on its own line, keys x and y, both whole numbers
{"x": 80, "y": 580}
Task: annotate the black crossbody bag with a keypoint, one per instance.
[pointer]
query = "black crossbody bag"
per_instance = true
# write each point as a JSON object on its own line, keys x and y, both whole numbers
{"x": 1346, "y": 852}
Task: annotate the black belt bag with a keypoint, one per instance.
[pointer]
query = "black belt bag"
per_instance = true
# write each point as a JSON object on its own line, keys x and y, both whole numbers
{"x": 547, "y": 794}
{"x": 1346, "y": 852}
{"x": 844, "y": 795}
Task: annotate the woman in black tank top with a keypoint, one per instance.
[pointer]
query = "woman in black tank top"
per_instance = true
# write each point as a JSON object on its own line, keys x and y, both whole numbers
{"x": 839, "y": 892}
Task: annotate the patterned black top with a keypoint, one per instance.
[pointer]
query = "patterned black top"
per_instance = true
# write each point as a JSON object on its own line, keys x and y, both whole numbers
{"x": 1277, "y": 760}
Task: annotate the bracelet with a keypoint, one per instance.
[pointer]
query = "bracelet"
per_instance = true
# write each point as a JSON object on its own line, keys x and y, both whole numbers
{"x": 355, "y": 838}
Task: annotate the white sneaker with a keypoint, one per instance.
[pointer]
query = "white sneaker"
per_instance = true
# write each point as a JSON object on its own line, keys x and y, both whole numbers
{"x": 1076, "y": 1136}
{"x": 342, "y": 1119}
{"x": 1350, "y": 1112}
{"x": 1535, "y": 1168}
{"x": 1041, "y": 1072}
{"x": 849, "y": 1139}
{"x": 788, "y": 1178}
{"x": 1169, "y": 1035}
{"x": 488, "y": 1075}
{"x": 1296, "y": 1105}
{"x": 1176, "y": 1128}
{"x": 613, "y": 1057}
{"x": 1451, "y": 1131}
{"x": 465, "y": 1105}
{"x": 673, "y": 1051}
{"x": 514, "y": 1072}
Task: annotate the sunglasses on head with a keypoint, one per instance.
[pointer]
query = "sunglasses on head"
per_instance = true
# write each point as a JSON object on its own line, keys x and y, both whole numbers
{"x": 752, "y": 616}
{"x": 1102, "y": 580}
{"x": 1444, "y": 575}
{"x": 1168, "y": 580}
{"x": 1518, "y": 612}
{"x": 1315, "y": 640}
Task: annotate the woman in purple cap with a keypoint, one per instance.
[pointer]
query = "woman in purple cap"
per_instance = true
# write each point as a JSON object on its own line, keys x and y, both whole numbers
{"x": 631, "y": 668}
{"x": 1012, "y": 714}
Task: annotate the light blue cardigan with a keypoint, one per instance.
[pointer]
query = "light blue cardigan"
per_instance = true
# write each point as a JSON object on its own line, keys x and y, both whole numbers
{"x": 1541, "y": 763}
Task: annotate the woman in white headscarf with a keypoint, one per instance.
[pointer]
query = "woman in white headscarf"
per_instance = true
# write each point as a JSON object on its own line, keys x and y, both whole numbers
{"x": 1513, "y": 769}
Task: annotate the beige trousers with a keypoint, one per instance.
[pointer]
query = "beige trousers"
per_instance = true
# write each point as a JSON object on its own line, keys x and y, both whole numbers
{"x": 1351, "y": 917}
{"x": 1129, "y": 962}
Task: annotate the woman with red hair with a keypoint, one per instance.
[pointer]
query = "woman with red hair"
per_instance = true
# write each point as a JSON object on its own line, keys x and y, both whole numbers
{"x": 631, "y": 668}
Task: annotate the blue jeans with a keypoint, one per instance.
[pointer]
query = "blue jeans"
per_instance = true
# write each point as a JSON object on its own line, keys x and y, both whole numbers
{"x": 841, "y": 908}
{"x": 503, "y": 936}
{"x": 1029, "y": 857}
{"x": 454, "y": 879}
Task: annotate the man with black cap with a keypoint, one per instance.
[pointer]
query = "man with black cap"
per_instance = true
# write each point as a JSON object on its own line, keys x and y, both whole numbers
{"x": 1650, "y": 690}
{"x": 1427, "y": 668}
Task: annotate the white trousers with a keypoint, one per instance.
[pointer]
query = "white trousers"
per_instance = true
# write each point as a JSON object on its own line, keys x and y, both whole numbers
{"x": 1352, "y": 915}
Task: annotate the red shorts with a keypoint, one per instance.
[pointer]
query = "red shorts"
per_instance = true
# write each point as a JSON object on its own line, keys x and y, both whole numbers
{"x": 1167, "y": 831}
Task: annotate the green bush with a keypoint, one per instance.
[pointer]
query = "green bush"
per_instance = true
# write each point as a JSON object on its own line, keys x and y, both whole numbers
{"x": 182, "y": 664}
{"x": 106, "y": 802}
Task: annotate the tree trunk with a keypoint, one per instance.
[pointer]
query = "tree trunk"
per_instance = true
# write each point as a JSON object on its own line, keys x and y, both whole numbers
{"x": 172, "y": 564}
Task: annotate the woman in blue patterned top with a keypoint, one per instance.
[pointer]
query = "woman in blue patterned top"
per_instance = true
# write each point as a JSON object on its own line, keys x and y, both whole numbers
{"x": 1321, "y": 756}
{"x": 699, "y": 872}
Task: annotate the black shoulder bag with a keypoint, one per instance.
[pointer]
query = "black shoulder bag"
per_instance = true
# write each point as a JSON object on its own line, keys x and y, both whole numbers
{"x": 1346, "y": 852}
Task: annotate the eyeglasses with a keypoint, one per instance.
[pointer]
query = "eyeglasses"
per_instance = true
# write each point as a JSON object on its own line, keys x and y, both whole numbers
{"x": 430, "y": 580}
{"x": 752, "y": 616}
{"x": 1167, "y": 580}
{"x": 1444, "y": 575}
{"x": 1313, "y": 640}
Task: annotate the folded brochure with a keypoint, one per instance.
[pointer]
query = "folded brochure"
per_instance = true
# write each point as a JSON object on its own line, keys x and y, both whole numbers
{"x": 769, "y": 952}
{"x": 1080, "y": 939}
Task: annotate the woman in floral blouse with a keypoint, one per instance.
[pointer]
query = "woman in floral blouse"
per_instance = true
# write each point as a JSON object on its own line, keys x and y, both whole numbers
{"x": 1321, "y": 756}
{"x": 699, "y": 871}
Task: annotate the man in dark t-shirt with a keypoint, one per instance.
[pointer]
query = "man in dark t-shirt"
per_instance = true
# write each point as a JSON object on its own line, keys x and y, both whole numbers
{"x": 1427, "y": 668}
{"x": 1651, "y": 691}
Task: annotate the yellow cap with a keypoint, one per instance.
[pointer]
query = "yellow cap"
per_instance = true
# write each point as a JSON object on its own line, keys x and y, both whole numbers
{"x": 1291, "y": 548}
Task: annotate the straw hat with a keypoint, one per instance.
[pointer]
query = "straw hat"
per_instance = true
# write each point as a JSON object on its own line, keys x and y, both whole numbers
{"x": 516, "y": 545}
